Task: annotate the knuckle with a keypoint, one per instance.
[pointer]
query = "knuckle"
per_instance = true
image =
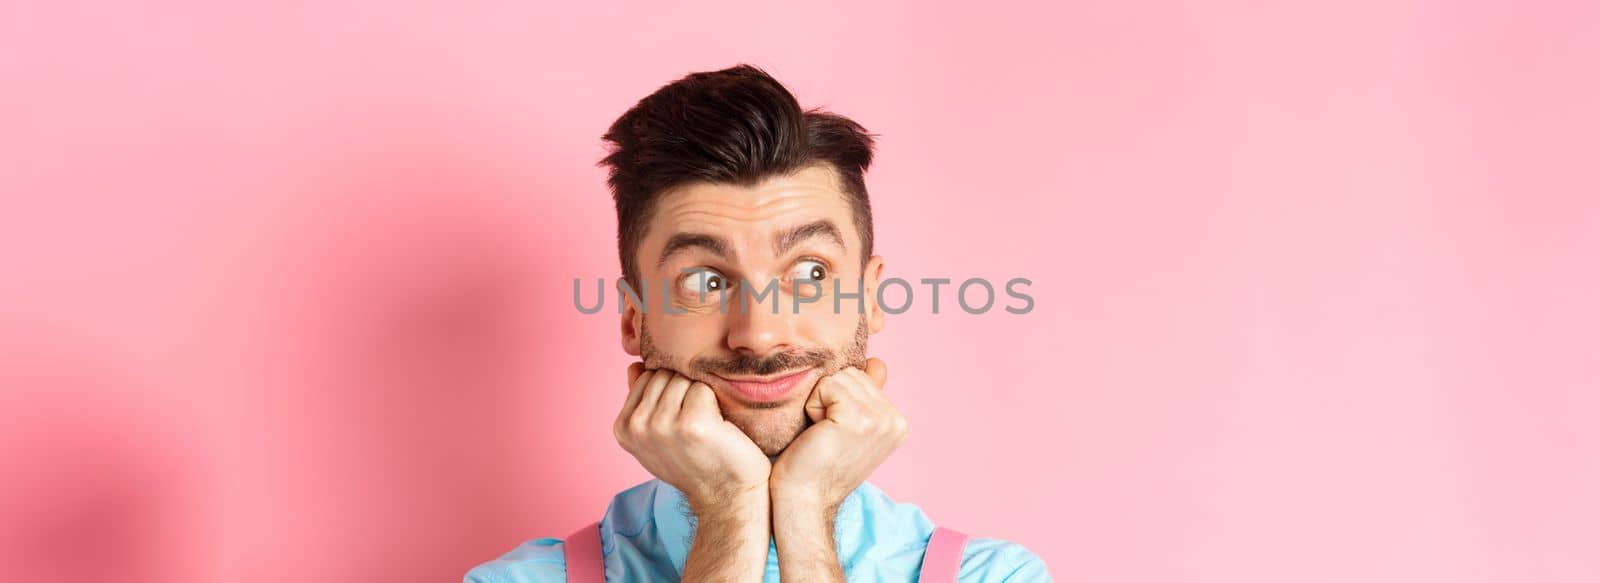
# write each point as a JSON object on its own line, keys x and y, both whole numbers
{"x": 866, "y": 425}
{"x": 638, "y": 426}
{"x": 696, "y": 429}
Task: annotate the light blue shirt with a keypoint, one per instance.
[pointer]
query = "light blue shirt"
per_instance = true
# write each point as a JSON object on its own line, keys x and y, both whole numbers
{"x": 647, "y": 531}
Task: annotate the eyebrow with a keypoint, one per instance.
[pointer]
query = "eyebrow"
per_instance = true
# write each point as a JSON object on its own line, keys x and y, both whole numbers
{"x": 818, "y": 229}
{"x": 685, "y": 241}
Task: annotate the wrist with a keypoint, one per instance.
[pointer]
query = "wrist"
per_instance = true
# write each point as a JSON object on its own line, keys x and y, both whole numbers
{"x": 731, "y": 536}
{"x": 804, "y": 508}
{"x": 803, "y": 530}
{"x": 798, "y": 495}
{"x": 741, "y": 505}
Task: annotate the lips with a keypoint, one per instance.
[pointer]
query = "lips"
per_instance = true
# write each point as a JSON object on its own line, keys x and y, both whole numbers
{"x": 768, "y": 390}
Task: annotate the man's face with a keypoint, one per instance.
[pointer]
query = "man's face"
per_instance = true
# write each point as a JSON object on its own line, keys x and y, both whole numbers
{"x": 727, "y": 255}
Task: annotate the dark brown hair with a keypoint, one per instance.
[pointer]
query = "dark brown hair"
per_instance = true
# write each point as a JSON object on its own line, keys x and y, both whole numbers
{"x": 737, "y": 126}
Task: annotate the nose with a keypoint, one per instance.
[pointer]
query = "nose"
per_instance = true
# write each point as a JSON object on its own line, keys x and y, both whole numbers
{"x": 753, "y": 328}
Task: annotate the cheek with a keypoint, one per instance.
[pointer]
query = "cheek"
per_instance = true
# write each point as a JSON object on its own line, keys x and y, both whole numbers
{"x": 820, "y": 323}
{"x": 684, "y": 336}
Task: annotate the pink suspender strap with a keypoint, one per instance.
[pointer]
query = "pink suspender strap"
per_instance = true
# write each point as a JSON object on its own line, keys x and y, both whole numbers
{"x": 942, "y": 561}
{"x": 585, "y": 559}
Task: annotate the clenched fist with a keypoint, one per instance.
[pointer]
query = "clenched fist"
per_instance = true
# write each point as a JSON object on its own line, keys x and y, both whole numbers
{"x": 854, "y": 429}
{"x": 672, "y": 425}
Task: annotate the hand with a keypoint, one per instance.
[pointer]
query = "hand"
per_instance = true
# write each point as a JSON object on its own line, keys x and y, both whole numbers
{"x": 855, "y": 428}
{"x": 672, "y": 425}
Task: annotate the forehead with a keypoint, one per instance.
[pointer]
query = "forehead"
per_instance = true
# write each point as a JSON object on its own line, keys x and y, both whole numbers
{"x": 747, "y": 215}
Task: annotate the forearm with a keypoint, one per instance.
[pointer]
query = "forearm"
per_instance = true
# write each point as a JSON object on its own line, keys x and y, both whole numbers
{"x": 731, "y": 540}
{"x": 803, "y": 532}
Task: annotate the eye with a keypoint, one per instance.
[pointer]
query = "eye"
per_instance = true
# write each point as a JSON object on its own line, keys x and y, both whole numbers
{"x": 705, "y": 281}
{"x": 809, "y": 270}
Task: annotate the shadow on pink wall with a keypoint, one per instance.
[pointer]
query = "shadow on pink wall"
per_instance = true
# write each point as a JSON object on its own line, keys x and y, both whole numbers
{"x": 97, "y": 486}
{"x": 349, "y": 395}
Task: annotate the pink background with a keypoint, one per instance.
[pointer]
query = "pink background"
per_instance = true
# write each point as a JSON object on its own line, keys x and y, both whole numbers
{"x": 285, "y": 291}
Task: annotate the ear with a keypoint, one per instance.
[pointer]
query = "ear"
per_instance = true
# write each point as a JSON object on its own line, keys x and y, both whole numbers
{"x": 632, "y": 317}
{"x": 872, "y": 275}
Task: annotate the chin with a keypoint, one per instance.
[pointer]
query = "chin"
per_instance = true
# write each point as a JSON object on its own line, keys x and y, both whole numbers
{"x": 774, "y": 445}
{"x": 772, "y": 430}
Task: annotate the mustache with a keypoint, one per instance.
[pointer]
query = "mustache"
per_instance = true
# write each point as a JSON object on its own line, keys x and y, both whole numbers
{"x": 746, "y": 364}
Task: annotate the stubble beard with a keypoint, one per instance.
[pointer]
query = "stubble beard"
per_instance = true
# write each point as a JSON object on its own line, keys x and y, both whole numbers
{"x": 772, "y": 426}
